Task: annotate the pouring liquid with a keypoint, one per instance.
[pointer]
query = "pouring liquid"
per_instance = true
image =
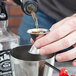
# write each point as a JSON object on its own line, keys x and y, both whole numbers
{"x": 36, "y": 21}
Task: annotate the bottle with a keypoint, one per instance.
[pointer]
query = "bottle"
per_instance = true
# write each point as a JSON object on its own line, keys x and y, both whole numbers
{"x": 3, "y": 13}
{"x": 8, "y": 41}
{"x": 27, "y": 6}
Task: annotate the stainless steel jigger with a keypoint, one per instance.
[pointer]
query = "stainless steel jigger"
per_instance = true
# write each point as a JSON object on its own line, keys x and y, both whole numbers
{"x": 35, "y": 33}
{"x": 31, "y": 63}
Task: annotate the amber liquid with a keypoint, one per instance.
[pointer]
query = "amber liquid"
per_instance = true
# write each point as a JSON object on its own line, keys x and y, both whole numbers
{"x": 35, "y": 19}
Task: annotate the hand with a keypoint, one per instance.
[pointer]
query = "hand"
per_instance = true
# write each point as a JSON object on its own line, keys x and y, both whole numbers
{"x": 11, "y": 2}
{"x": 61, "y": 36}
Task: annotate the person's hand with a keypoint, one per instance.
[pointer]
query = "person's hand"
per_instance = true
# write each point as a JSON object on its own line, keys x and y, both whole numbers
{"x": 61, "y": 36}
{"x": 11, "y": 2}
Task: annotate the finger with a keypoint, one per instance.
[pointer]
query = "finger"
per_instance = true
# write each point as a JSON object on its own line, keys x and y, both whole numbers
{"x": 74, "y": 63}
{"x": 40, "y": 36}
{"x": 74, "y": 15}
{"x": 58, "y": 24}
{"x": 66, "y": 56}
{"x": 59, "y": 45}
{"x": 57, "y": 34}
{"x": 32, "y": 41}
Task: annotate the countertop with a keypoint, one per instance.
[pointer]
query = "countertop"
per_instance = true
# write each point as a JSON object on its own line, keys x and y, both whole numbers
{"x": 67, "y": 65}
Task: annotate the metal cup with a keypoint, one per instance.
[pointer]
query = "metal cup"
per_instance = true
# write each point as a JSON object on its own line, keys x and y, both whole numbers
{"x": 26, "y": 64}
{"x": 36, "y": 33}
{"x": 26, "y": 61}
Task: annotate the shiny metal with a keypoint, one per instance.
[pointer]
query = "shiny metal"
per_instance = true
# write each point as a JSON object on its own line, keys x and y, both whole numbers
{"x": 28, "y": 6}
{"x": 36, "y": 33}
{"x": 26, "y": 64}
{"x": 34, "y": 50}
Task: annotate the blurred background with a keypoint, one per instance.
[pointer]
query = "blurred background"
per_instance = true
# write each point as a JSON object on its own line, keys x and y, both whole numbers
{"x": 15, "y": 15}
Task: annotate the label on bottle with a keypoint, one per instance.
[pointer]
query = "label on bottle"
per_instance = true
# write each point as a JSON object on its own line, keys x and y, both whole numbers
{"x": 5, "y": 64}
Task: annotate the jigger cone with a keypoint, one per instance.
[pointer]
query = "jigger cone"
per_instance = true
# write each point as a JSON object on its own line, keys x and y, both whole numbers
{"x": 35, "y": 33}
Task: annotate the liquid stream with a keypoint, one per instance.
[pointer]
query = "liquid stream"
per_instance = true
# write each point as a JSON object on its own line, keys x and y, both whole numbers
{"x": 35, "y": 19}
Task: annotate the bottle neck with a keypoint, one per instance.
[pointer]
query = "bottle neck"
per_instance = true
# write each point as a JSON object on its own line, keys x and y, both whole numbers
{"x": 28, "y": 6}
{"x": 3, "y": 13}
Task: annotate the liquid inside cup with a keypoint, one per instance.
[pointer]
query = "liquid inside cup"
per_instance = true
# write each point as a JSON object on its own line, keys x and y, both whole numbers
{"x": 38, "y": 31}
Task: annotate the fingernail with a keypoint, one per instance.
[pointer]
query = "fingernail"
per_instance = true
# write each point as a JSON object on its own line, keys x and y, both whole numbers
{"x": 58, "y": 58}
{"x": 74, "y": 63}
{"x": 42, "y": 52}
{"x": 37, "y": 45}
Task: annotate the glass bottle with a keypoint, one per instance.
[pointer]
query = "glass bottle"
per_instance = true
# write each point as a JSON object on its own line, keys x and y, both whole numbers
{"x": 28, "y": 6}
